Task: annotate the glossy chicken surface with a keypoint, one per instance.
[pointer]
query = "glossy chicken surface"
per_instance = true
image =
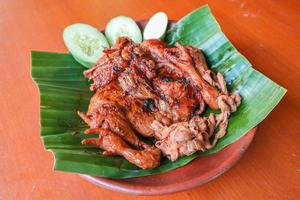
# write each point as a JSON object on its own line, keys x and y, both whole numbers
{"x": 147, "y": 158}
{"x": 156, "y": 91}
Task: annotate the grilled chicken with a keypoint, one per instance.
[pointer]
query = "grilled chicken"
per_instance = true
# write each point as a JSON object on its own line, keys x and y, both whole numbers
{"x": 141, "y": 121}
{"x": 147, "y": 158}
{"x": 183, "y": 63}
{"x": 105, "y": 112}
{"x": 184, "y": 138}
{"x": 179, "y": 96}
{"x": 135, "y": 84}
{"x": 155, "y": 90}
{"x": 109, "y": 65}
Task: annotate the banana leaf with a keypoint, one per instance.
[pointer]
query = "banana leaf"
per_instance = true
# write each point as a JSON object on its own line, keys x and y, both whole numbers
{"x": 64, "y": 90}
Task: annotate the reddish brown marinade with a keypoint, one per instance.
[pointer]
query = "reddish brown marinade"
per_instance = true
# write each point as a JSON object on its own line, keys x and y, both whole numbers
{"x": 155, "y": 91}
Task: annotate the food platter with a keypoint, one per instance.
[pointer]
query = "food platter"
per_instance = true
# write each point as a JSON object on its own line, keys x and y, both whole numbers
{"x": 198, "y": 172}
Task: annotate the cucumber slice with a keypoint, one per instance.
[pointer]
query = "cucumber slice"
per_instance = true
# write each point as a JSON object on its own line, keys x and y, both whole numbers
{"x": 85, "y": 43}
{"x": 122, "y": 26}
{"x": 156, "y": 27}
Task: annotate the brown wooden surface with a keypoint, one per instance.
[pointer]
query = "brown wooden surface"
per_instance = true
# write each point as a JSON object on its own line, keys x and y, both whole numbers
{"x": 266, "y": 32}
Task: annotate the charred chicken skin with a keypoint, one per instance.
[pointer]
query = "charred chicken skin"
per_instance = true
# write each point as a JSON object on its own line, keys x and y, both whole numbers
{"x": 155, "y": 91}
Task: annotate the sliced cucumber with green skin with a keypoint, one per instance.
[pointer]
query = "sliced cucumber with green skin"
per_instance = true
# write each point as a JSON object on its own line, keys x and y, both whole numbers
{"x": 156, "y": 27}
{"x": 122, "y": 26}
{"x": 85, "y": 43}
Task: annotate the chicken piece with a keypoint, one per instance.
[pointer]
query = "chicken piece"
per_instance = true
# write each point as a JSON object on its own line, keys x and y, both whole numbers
{"x": 139, "y": 119}
{"x": 102, "y": 75}
{"x": 156, "y": 48}
{"x": 110, "y": 117}
{"x": 184, "y": 138}
{"x": 148, "y": 158}
{"x": 109, "y": 65}
{"x": 105, "y": 111}
{"x": 132, "y": 82}
{"x": 115, "y": 60}
{"x": 181, "y": 58}
{"x": 179, "y": 95}
{"x": 110, "y": 93}
{"x": 201, "y": 66}
{"x": 104, "y": 97}
{"x": 143, "y": 62}
{"x": 109, "y": 107}
{"x": 227, "y": 104}
{"x": 138, "y": 59}
{"x": 198, "y": 59}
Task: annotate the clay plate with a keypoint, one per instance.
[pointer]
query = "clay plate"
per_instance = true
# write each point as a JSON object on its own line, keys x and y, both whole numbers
{"x": 196, "y": 173}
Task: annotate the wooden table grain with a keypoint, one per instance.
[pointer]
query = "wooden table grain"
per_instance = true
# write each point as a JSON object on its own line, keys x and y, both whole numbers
{"x": 266, "y": 32}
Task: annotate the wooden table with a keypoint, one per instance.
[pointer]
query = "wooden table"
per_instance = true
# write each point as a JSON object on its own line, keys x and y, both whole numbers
{"x": 266, "y": 32}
